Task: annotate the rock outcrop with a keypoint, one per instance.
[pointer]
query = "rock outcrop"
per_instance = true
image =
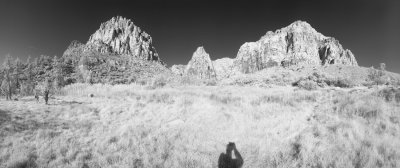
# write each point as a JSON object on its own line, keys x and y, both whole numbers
{"x": 224, "y": 67}
{"x": 118, "y": 36}
{"x": 200, "y": 66}
{"x": 298, "y": 43}
{"x": 118, "y": 52}
{"x": 178, "y": 69}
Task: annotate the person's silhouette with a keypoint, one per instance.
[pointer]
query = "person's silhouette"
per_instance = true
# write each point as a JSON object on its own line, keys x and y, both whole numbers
{"x": 226, "y": 160}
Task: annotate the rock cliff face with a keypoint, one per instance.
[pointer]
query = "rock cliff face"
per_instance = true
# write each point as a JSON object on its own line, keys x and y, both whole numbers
{"x": 200, "y": 65}
{"x": 118, "y": 52}
{"x": 298, "y": 43}
{"x": 118, "y": 36}
{"x": 178, "y": 69}
{"x": 224, "y": 67}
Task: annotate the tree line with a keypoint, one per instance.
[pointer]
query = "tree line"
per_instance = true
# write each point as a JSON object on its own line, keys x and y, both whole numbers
{"x": 43, "y": 74}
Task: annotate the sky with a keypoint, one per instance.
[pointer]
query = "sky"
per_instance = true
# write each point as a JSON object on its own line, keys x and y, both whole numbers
{"x": 369, "y": 28}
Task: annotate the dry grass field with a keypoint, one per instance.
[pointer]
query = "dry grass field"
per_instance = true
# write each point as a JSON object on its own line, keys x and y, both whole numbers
{"x": 189, "y": 126}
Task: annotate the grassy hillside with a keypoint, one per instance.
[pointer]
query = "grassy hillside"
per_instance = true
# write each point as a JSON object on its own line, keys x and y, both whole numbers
{"x": 189, "y": 126}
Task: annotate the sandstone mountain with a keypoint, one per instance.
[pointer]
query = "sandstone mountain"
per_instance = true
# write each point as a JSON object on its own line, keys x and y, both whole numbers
{"x": 295, "y": 44}
{"x": 118, "y": 36}
{"x": 200, "y": 66}
{"x": 118, "y": 52}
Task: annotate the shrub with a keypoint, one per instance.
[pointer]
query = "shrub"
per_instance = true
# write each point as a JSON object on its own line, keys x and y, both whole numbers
{"x": 323, "y": 80}
{"x": 242, "y": 81}
{"x": 307, "y": 84}
{"x": 211, "y": 82}
{"x": 342, "y": 82}
{"x": 377, "y": 77}
{"x": 26, "y": 88}
{"x": 69, "y": 81}
{"x": 188, "y": 80}
{"x": 390, "y": 94}
{"x": 159, "y": 81}
{"x": 280, "y": 79}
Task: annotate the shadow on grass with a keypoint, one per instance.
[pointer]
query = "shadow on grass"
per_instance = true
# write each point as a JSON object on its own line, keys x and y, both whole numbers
{"x": 4, "y": 117}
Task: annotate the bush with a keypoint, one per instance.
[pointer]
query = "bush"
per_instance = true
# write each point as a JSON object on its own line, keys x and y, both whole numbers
{"x": 307, "y": 84}
{"x": 390, "y": 94}
{"x": 211, "y": 82}
{"x": 188, "y": 80}
{"x": 159, "y": 81}
{"x": 26, "y": 88}
{"x": 246, "y": 80}
{"x": 341, "y": 82}
{"x": 322, "y": 80}
{"x": 377, "y": 77}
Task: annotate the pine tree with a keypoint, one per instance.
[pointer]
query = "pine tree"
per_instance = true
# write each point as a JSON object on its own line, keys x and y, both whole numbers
{"x": 382, "y": 66}
{"x": 17, "y": 74}
{"x": 6, "y": 85}
{"x": 57, "y": 74}
{"x": 35, "y": 62}
{"x": 84, "y": 70}
{"x": 28, "y": 60}
{"x": 28, "y": 85}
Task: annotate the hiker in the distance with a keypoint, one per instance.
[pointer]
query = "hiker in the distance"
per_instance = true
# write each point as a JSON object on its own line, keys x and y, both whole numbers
{"x": 46, "y": 90}
{"x": 36, "y": 94}
{"x": 227, "y": 160}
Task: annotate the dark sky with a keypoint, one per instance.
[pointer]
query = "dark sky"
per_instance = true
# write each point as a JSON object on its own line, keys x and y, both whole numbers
{"x": 370, "y": 29}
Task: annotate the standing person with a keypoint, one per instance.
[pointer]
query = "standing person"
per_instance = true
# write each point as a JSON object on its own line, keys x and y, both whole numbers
{"x": 46, "y": 92}
{"x": 226, "y": 160}
{"x": 36, "y": 95}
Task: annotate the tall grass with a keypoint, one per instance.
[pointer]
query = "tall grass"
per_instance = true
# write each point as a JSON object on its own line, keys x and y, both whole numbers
{"x": 189, "y": 126}
{"x": 102, "y": 90}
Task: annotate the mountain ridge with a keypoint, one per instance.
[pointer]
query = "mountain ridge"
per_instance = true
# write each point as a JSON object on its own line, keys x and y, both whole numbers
{"x": 296, "y": 44}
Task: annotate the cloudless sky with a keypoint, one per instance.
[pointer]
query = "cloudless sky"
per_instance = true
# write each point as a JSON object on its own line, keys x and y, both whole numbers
{"x": 369, "y": 28}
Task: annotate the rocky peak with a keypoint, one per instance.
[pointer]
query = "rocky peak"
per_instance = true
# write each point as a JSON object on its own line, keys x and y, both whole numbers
{"x": 295, "y": 44}
{"x": 200, "y": 54}
{"x": 301, "y": 26}
{"x": 200, "y": 65}
{"x": 120, "y": 36}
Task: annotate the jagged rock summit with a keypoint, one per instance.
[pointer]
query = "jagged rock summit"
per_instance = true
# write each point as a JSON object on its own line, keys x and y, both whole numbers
{"x": 200, "y": 65}
{"x": 295, "y": 44}
{"x": 118, "y": 36}
{"x": 118, "y": 52}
